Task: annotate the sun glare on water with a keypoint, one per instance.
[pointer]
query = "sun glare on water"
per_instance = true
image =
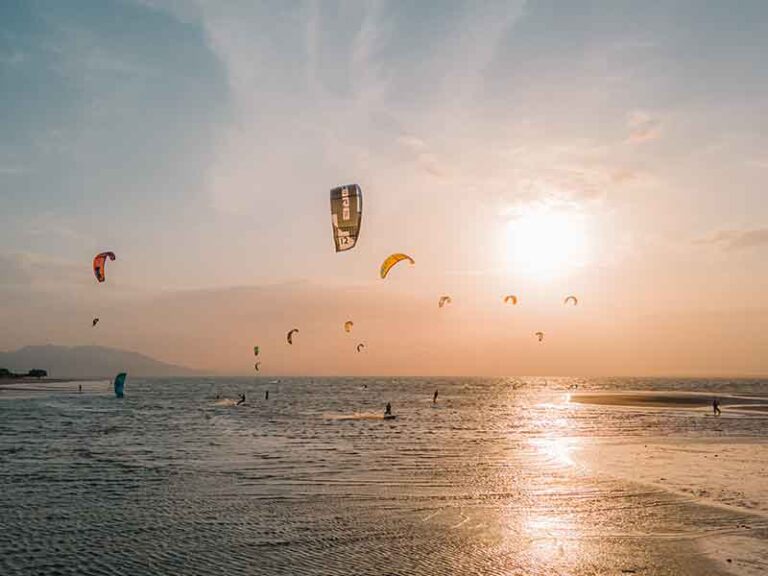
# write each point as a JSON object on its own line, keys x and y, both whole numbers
{"x": 545, "y": 242}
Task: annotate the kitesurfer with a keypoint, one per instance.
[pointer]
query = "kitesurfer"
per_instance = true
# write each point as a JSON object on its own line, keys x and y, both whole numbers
{"x": 434, "y": 398}
{"x": 266, "y": 395}
{"x": 241, "y": 401}
{"x": 715, "y": 407}
{"x": 80, "y": 388}
{"x": 388, "y": 410}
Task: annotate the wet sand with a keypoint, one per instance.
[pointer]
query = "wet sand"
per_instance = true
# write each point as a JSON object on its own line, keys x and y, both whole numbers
{"x": 681, "y": 400}
{"x": 723, "y": 473}
{"x": 26, "y": 387}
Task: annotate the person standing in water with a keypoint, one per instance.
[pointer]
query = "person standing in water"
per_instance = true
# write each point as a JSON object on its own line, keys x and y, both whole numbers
{"x": 434, "y": 398}
{"x": 79, "y": 388}
{"x": 715, "y": 407}
{"x": 266, "y": 395}
{"x": 388, "y": 410}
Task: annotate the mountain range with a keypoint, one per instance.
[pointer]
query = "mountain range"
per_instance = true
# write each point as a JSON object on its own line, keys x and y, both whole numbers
{"x": 88, "y": 362}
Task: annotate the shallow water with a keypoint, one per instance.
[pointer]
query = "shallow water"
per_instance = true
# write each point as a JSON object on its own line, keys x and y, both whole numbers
{"x": 312, "y": 481}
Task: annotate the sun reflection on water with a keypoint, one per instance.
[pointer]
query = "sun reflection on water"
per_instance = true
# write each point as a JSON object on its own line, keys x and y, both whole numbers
{"x": 545, "y": 529}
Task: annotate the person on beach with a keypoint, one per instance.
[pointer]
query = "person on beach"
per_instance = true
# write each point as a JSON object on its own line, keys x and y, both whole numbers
{"x": 79, "y": 388}
{"x": 241, "y": 401}
{"x": 715, "y": 407}
{"x": 266, "y": 395}
{"x": 388, "y": 410}
{"x": 434, "y": 398}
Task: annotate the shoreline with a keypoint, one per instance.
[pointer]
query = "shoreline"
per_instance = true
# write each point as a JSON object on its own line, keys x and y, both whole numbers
{"x": 27, "y": 380}
{"x": 726, "y": 474}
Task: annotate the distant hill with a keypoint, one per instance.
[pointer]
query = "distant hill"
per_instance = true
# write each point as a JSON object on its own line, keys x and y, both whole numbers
{"x": 88, "y": 362}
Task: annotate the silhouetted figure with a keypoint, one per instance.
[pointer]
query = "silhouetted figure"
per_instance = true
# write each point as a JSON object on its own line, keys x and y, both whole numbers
{"x": 716, "y": 407}
{"x": 241, "y": 401}
{"x": 388, "y": 410}
{"x": 434, "y": 398}
{"x": 266, "y": 395}
{"x": 80, "y": 388}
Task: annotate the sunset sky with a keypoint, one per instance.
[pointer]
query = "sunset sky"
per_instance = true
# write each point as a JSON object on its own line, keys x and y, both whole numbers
{"x": 613, "y": 150}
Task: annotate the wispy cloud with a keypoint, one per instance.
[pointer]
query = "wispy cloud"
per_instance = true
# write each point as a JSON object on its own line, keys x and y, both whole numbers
{"x": 425, "y": 158}
{"x": 738, "y": 239}
{"x": 643, "y": 127}
{"x": 12, "y": 169}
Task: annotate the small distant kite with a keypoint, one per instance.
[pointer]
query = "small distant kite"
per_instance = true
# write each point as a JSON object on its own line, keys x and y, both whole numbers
{"x": 573, "y": 298}
{"x": 540, "y": 336}
{"x": 290, "y": 334}
{"x": 94, "y": 322}
{"x": 119, "y": 384}
{"x": 100, "y": 263}
{"x": 255, "y": 350}
{"x": 360, "y": 347}
{"x": 348, "y": 326}
{"x": 256, "y": 366}
{"x": 346, "y": 215}
{"x": 444, "y": 300}
{"x": 510, "y": 298}
{"x": 391, "y": 260}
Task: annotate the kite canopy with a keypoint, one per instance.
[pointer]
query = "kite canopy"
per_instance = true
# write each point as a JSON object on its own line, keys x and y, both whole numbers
{"x": 99, "y": 264}
{"x": 255, "y": 350}
{"x": 120, "y": 385}
{"x": 256, "y": 366}
{"x": 348, "y": 326}
{"x": 360, "y": 346}
{"x": 346, "y": 215}
{"x": 94, "y": 322}
{"x": 290, "y": 334}
{"x": 573, "y": 298}
{"x": 540, "y": 336}
{"x": 444, "y": 300}
{"x": 391, "y": 260}
{"x": 510, "y": 298}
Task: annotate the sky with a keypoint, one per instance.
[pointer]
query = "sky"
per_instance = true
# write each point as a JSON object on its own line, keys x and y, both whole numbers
{"x": 613, "y": 150}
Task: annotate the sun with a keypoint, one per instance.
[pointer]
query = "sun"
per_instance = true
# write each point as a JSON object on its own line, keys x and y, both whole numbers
{"x": 545, "y": 242}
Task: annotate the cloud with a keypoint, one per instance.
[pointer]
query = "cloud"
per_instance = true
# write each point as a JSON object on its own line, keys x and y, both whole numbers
{"x": 643, "y": 127}
{"x": 29, "y": 270}
{"x": 12, "y": 170}
{"x": 574, "y": 174}
{"x": 738, "y": 239}
{"x": 425, "y": 158}
{"x": 412, "y": 143}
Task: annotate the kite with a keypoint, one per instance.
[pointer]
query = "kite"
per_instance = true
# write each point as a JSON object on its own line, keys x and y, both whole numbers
{"x": 120, "y": 385}
{"x": 391, "y": 260}
{"x": 346, "y": 215}
{"x": 99, "y": 264}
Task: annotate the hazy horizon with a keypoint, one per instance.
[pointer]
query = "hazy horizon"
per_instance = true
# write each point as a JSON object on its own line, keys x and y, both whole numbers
{"x": 614, "y": 151}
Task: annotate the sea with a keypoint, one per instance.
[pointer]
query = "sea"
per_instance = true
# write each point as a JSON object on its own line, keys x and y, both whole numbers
{"x": 176, "y": 479}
